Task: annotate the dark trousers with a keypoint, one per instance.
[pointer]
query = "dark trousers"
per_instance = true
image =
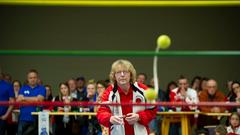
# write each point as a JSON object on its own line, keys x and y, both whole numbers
{"x": 12, "y": 128}
{"x": 27, "y": 128}
{"x": 3, "y": 126}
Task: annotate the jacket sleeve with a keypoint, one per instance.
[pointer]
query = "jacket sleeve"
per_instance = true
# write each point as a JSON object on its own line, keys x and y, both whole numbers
{"x": 203, "y": 98}
{"x": 104, "y": 113}
{"x": 146, "y": 116}
{"x": 172, "y": 96}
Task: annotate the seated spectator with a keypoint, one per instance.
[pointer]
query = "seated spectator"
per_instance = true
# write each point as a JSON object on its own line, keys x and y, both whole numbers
{"x": 232, "y": 95}
{"x": 203, "y": 85}
{"x": 220, "y": 130}
{"x": 234, "y": 127}
{"x": 49, "y": 96}
{"x": 63, "y": 124}
{"x": 101, "y": 87}
{"x": 195, "y": 84}
{"x": 170, "y": 86}
{"x": 184, "y": 94}
{"x": 142, "y": 78}
{"x": 91, "y": 95}
{"x": 32, "y": 92}
{"x": 229, "y": 86}
{"x": 211, "y": 94}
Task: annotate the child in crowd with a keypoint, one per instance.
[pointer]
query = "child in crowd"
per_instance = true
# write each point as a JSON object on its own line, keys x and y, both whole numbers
{"x": 234, "y": 127}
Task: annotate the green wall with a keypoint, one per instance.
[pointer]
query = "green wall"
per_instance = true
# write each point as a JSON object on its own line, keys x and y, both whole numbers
{"x": 119, "y": 28}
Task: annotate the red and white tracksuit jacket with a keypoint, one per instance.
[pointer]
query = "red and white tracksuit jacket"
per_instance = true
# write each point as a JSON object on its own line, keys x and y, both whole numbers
{"x": 114, "y": 94}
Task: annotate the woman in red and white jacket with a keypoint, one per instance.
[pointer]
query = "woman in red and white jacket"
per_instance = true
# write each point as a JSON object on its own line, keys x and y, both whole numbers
{"x": 125, "y": 120}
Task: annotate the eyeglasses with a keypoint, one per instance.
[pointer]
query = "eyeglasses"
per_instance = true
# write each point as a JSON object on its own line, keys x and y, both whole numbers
{"x": 122, "y": 72}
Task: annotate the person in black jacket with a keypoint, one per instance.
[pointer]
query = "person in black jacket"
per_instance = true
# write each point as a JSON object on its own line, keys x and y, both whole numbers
{"x": 63, "y": 123}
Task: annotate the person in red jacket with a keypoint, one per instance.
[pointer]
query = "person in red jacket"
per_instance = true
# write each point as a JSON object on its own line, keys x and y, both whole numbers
{"x": 125, "y": 120}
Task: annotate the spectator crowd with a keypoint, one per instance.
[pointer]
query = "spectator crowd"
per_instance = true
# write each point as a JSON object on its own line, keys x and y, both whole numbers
{"x": 199, "y": 89}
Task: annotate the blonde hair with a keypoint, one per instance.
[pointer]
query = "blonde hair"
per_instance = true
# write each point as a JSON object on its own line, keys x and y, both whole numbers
{"x": 126, "y": 64}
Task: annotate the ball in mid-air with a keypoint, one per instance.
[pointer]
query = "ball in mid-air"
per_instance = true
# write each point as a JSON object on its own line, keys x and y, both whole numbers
{"x": 163, "y": 41}
{"x": 150, "y": 94}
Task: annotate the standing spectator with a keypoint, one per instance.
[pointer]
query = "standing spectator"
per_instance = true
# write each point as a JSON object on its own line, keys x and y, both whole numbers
{"x": 6, "y": 94}
{"x": 63, "y": 124}
{"x": 142, "y": 78}
{"x": 195, "y": 84}
{"x": 211, "y": 94}
{"x": 93, "y": 126}
{"x": 128, "y": 120}
{"x": 73, "y": 88}
{"x": 13, "y": 118}
{"x": 81, "y": 121}
{"x": 234, "y": 127}
{"x": 32, "y": 92}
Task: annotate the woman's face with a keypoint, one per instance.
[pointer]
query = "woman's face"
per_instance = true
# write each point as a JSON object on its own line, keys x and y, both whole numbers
{"x": 122, "y": 75}
{"x": 64, "y": 90}
{"x": 91, "y": 90}
{"x": 235, "y": 87}
{"x": 100, "y": 89}
{"x": 173, "y": 86}
{"x": 16, "y": 86}
{"x": 48, "y": 91}
{"x": 234, "y": 121}
{"x": 204, "y": 85}
{"x": 196, "y": 83}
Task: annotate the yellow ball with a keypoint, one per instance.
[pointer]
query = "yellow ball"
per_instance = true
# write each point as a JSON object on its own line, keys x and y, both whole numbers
{"x": 150, "y": 94}
{"x": 163, "y": 41}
